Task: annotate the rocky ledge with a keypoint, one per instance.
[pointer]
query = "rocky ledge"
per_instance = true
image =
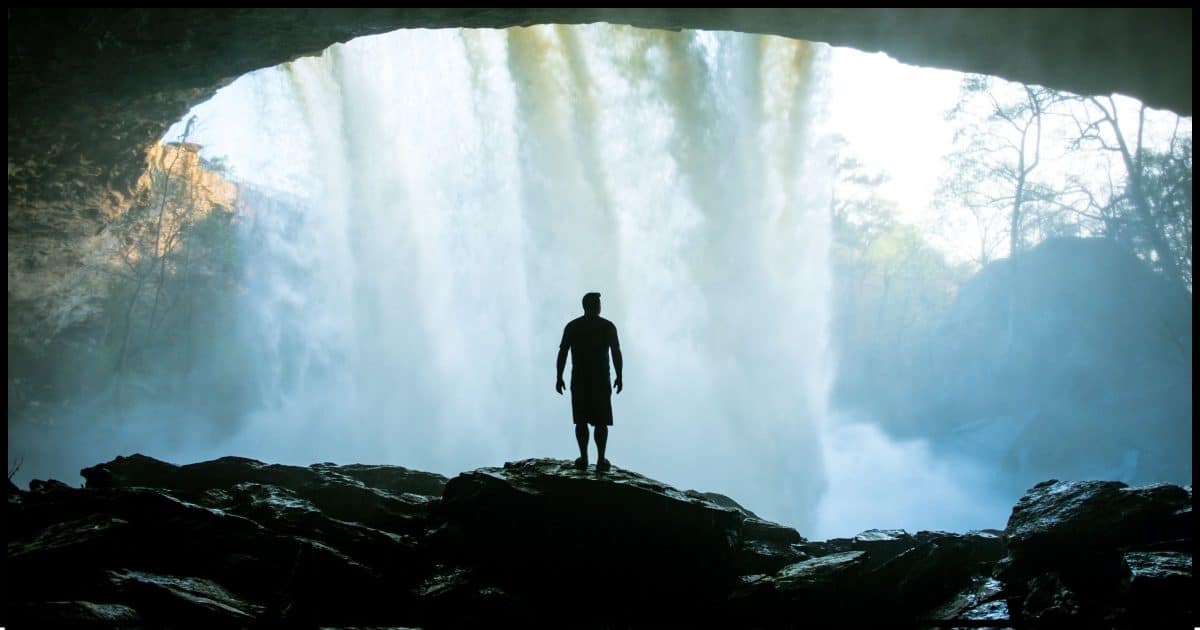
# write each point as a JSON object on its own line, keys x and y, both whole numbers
{"x": 236, "y": 542}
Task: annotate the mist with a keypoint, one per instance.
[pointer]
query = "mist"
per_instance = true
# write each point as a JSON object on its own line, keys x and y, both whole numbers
{"x": 422, "y": 212}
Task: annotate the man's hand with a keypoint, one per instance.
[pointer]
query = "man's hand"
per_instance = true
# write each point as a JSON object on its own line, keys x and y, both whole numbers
{"x": 560, "y": 386}
{"x": 617, "y": 383}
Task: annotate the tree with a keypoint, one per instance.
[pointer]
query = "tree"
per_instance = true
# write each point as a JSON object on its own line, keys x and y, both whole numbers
{"x": 1148, "y": 205}
{"x": 998, "y": 149}
{"x": 891, "y": 286}
{"x": 142, "y": 247}
{"x": 181, "y": 221}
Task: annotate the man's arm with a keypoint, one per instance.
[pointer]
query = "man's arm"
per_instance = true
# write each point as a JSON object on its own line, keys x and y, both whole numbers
{"x": 615, "y": 346}
{"x": 559, "y": 385}
{"x": 563, "y": 346}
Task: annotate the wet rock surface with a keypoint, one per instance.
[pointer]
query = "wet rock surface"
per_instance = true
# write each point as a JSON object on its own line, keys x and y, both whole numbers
{"x": 1100, "y": 553}
{"x": 235, "y": 542}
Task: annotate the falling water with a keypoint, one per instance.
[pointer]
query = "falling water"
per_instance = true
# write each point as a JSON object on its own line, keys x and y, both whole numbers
{"x": 452, "y": 194}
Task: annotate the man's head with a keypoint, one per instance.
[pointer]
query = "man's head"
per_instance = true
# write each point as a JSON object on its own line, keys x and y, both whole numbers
{"x": 591, "y": 304}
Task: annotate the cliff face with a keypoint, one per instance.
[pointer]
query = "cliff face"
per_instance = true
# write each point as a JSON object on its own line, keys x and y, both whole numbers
{"x": 537, "y": 543}
{"x": 68, "y": 304}
{"x": 1077, "y": 359}
{"x": 51, "y": 263}
{"x": 61, "y": 253}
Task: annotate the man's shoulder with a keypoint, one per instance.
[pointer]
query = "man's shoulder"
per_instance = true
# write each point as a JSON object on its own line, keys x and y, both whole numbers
{"x": 590, "y": 323}
{"x": 574, "y": 326}
{"x": 601, "y": 322}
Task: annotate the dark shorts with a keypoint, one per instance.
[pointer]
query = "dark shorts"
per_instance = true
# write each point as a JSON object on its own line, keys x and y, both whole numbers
{"x": 591, "y": 402}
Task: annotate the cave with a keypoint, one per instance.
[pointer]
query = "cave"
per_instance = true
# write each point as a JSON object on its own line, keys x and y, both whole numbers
{"x": 92, "y": 94}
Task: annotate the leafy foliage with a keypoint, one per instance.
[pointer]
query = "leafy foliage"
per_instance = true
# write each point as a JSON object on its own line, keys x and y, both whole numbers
{"x": 891, "y": 286}
{"x": 1031, "y": 164}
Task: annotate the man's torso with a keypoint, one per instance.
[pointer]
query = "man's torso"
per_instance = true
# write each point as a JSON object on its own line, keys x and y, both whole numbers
{"x": 589, "y": 338}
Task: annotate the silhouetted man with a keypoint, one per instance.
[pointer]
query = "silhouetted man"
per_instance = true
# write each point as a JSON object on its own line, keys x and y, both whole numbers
{"x": 589, "y": 338}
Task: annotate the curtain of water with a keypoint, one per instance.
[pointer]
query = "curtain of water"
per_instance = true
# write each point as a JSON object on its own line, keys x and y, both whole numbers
{"x": 454, "y": 193}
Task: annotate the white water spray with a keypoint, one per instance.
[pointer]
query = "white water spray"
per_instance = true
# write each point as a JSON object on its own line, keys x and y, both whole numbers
{"x": 457, "y": 192}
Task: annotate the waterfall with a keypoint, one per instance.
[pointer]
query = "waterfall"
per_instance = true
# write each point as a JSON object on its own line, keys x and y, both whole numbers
{"x": 452, "y": 194}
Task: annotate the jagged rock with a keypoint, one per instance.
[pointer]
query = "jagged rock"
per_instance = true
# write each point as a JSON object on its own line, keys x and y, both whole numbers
{"x": 817, "y": 589}
{"x": 588, "y": 499}
{"x": 76, "y": 614}
{"x": 981, "y": 601}
{"x": 932, "y": 571}
{"x": 52, "y": 485}
{"x": 880, "y": 545}
{"x": 72, "y": 539}
{"x": 766, "y": 547}
{"x": 1078, "y": 528}
{"x": 1164, "y": 567}
{"x": 813, "y": 580}
{"x": 282, "y": 510}
{"x": 168, "y": 599}
{"x": 140, "y": 470}
{"x": 457, "y": 597}
{"x": 145, "y": 529}
{"x": 235, "y": 542}
{"x": 902, "y": 574}
{"x": 1056, "y": 520}
{"x": 757, "y": 556}
{"x": 394, "y": 479}
{"x": 755, "y": 528}
{"x": 132, "y": 471}
{"x": 1070, "y": 558}
{"x": 13, "y": 504}
{"x": 721, "y": 500}
{"x": 399, "y": 504}
{"x": 569, "y": 536}
{"x": 817, "y": 573}
{"x": 53, "y": 560}
{"x": 1160, "y": 590}
{"x": 881, "y": 536}
{"x": 1051, "y": 603}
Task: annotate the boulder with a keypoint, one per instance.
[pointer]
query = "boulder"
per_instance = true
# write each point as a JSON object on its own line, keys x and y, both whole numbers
{"x": 571, "y": 538}
{"x": 398, "y": 503}
{"x": 820, "y": 589}
{"x": 981, "y": 602}
{"x": 167, "y": 599}
{"x": 1098, "y": 553}
{"x": 75, "y": 614}
{"x": 1160, "y": 589}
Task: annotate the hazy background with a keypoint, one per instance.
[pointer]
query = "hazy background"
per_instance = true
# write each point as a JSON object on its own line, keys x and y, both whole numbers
{"x": 785, "y": 235}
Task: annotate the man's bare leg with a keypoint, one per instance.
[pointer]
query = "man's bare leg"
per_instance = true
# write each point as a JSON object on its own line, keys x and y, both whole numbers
{"x": 581, "y": 436}
{"x": 601, "y": 442}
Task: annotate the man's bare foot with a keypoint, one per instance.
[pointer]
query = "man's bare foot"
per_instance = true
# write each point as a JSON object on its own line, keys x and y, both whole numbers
{"x": 581, "y": 463}
{"x": 603, "y": 465}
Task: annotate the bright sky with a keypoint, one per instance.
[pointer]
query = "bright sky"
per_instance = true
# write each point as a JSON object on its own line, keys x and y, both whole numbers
{"x": 893, "y": 118}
